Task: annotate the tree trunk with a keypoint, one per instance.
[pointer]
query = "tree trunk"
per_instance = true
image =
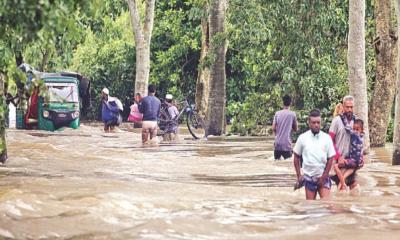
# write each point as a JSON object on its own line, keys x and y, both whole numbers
{"x": 142, "y": 30}
{"x": 203, "y": 78}
{"x": 396, "y": 131}
{"x": 3, "y": 145}
{"x": 356, "y": 63}
{"x": 216, "y": 104}
{"x": 384, "y": 89}
{"x": 19, "y": 58}
{"x": 142, "y": 68}
{"x": 45, "y": 60}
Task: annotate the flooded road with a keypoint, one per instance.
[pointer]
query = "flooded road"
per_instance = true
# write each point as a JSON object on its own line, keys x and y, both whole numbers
{"x": 86, "y": 184}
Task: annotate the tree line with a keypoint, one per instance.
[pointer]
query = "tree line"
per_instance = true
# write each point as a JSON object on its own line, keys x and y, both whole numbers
{"x": 234, "y": 59}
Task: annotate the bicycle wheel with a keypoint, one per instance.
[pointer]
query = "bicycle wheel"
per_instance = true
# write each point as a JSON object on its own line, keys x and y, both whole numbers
{"x": 163, "y": 120}
{"x": 196, "y": 125}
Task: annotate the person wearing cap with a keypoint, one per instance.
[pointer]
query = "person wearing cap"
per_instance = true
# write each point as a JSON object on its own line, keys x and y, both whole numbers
{"x": 111, "y": 108}
{"x": 171, "y": 130}
{"x": 150, "y": 107}
{"x": 172, "y": 109}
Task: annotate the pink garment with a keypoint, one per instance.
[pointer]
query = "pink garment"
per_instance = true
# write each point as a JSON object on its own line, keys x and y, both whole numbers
{"x": 337, "y": 156}
{"x": 135, "y": 115}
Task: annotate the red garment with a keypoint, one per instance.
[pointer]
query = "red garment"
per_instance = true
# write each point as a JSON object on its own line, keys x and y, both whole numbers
{"x": 32, "y": 112}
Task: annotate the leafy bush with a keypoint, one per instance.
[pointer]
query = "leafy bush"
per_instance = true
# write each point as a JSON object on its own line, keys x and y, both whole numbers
{"x": 255, "y": 114}
{"x": 107, "y": 58}
{"x": 302, "y": 120}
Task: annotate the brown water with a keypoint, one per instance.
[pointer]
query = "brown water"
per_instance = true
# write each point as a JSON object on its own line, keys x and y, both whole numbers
{"x": 85, "y": 184}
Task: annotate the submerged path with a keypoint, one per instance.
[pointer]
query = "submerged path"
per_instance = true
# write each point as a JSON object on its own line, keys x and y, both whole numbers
{"x": 85, "y": 184}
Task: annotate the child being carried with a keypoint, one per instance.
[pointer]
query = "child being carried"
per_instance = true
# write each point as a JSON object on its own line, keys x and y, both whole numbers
{"x": 345, "y": 167}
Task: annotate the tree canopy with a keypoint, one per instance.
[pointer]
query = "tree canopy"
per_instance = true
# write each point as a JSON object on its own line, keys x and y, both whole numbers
{"x": 275, "y": 48}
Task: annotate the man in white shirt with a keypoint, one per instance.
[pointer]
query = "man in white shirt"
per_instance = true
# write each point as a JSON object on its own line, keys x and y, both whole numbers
{"x": 315, "y": 149}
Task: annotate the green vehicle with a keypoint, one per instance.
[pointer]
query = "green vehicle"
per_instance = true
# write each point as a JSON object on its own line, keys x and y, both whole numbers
{"x": 62, "y": 106}
{"x": 67, "y": 93}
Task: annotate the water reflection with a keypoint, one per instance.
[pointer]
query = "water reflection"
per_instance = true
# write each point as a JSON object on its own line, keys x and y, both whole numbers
{"x": 86, "y": 184}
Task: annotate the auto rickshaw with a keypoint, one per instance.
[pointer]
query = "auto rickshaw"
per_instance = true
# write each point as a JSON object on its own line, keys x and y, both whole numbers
{"x": 66, "y": 93}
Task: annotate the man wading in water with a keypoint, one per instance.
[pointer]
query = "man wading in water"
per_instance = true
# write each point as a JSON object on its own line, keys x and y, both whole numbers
{"x": 316, "y": 149}
{"x": 284, "y": 124}
{"x": 150, "y": 107}
{"x": 341, "y": 138}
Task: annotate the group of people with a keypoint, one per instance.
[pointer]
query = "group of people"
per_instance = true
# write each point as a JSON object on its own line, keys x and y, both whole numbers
{"x": 144, "y": 111}
{"x": 316, "y": 152}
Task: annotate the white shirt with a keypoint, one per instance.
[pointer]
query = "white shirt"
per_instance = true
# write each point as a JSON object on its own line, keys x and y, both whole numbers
{"x": 117, "y": 101}
{"x": 315, "y": 151}
{"x": 173, "y": 111}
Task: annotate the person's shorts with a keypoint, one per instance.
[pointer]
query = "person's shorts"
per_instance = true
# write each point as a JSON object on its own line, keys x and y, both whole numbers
{"x": 349, "y": 180}
{"x": 284, "y": 154}
{"x": 311, "y": 183}
{"x": 149, "y": 127}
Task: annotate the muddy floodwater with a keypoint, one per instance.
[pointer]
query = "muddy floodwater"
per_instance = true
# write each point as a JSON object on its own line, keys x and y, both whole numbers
{"x": 86, "y": 184}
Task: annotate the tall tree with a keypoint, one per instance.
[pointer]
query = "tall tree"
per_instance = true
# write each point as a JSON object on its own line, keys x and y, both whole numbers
{"x": 356, "y": 63}
{"x": 384, "y": 87}
{"x": 203, "y": 78}
{"x": 396, "y": 131}
{"x": 142, "y": 28}
{"x": 215, "y": 117}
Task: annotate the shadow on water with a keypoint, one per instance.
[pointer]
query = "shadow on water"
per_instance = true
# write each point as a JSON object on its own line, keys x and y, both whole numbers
{"x": 262, "y": 180}
{"x": 49, "y": 134}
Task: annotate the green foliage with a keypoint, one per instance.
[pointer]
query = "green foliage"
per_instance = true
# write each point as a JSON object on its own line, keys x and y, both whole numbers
{"x": 255, "y": 113}
{"x": 107, "y": 57}
{"x": 275, "y": 48}
{"x": 40, "y": 23}
{"x": 175, "y": 47}
{"x": 297, "y": 46}
{"x": 302, "y": 120}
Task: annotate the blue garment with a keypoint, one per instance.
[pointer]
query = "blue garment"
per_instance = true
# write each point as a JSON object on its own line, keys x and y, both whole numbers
{"x": 109, "y": 111}
{"x": 150, "y": 107}
{"x": 311, "y": 183}
{"x": 356, "y": 148}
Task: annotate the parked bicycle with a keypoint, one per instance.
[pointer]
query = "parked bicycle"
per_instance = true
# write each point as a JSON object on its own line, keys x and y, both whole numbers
{"x": 195, "y": 123}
